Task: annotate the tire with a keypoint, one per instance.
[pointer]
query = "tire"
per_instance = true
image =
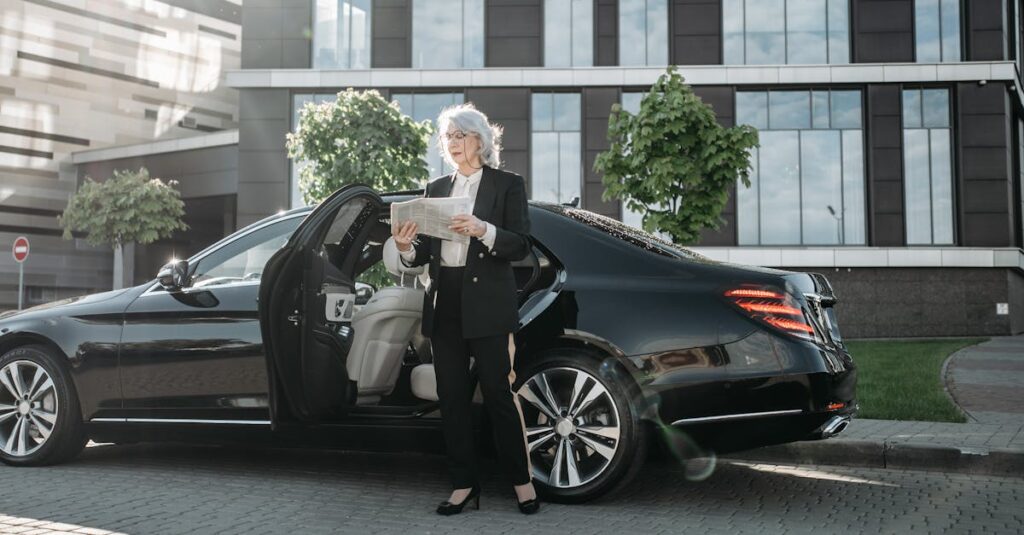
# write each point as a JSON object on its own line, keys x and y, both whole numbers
{"x": 54, "y": 403}
{"x": 603, "y": 464}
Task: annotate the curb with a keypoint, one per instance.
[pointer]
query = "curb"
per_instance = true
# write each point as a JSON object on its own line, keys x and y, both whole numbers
{"x": 894, "y": 455}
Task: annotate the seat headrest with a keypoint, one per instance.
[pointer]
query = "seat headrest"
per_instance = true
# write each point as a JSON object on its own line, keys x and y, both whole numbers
{"x": 394, "y": 264}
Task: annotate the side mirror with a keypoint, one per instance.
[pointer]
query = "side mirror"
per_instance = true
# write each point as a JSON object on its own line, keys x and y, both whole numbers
{"x": 174, "y": 275}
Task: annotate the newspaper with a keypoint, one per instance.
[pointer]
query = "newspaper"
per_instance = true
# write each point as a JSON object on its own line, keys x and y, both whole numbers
{"x": 432, "y": 215}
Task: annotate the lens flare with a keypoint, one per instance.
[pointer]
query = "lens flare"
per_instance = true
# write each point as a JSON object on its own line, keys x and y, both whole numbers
{"x": 698, "y": 462}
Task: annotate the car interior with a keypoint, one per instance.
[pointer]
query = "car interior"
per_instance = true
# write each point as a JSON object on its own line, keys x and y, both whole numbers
{"x": 390, "y": 361}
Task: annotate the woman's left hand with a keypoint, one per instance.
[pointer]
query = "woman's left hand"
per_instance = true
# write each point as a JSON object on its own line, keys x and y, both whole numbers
{"x": 468, "y": 224}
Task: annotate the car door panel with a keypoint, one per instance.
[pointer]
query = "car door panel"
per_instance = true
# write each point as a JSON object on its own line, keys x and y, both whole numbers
{"x": 306, "y": 350}
{"x": 197, "y": 354}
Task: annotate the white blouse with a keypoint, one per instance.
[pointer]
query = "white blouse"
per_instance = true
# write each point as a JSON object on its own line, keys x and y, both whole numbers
{"x": 454, "y": 253}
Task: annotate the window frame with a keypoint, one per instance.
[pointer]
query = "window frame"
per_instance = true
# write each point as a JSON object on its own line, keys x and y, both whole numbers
{"x": 348, "y": 34}
{"x": 785, "y": 34}
{"x": 954, "y": 163}
{"x": 484, "y": 29}
{"x": 866, "y": 212}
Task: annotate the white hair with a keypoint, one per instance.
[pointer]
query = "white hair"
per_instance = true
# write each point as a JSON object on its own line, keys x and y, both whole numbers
{"x": 470, "y": 120}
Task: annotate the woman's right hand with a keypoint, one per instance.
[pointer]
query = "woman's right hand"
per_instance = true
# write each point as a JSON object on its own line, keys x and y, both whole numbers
{"x": 403, "y": 234}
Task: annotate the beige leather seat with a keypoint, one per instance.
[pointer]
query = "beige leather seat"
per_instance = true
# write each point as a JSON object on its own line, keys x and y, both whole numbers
{"x": 383, "y": 328}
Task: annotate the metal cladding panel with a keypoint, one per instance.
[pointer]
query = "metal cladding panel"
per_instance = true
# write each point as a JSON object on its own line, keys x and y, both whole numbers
{"x": 883, "y": 31}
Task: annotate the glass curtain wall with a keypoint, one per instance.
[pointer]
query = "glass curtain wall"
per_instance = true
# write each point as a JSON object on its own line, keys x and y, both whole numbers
{"x": 447, "y": 34}
{"x": 631, "y": 103}
{"x": 928, "y": 166}
{"x": 298, "y": 101}
{"x": 556, "y": 167}
{"x": 937, "y": 30}
{"x": 568, "y": 33}
{"x": 643, "y": 32}
{"x": 341, "y": 34}
{"x": 807, "y": 183}
{"x": 778, "y": 32}
{"x": 427, "y": 106}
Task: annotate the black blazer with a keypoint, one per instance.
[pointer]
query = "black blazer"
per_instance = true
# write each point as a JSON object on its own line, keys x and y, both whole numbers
{"x": 489, "y": 302}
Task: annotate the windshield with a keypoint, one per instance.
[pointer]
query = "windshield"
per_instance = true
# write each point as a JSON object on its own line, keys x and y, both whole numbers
{"x": 624, "y": 232}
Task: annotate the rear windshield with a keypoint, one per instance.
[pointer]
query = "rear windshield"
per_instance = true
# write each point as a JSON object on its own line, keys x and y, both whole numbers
{"x": 624, "y": 232}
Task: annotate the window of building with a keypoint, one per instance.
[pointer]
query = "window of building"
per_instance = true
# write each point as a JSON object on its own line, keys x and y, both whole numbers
{"x": 341, "y": 34}
{"x": 447, "y": 34}
{"x": 298, "y": 101}
{"x": 556, "y": 168}
{"x": 643, "y": 32}
{"x": 568, "y": 33}
{"x": 927, "y": 166}
{"x": 631, "y": 103}
{"x": 778, "y": 32}
{"x": 937, "y": 30}
{"x": 807, "y": 183}
{"x": 426, "y": 107}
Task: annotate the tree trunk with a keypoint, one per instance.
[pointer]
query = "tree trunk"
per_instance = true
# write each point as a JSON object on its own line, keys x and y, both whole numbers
{"x": 118, "y": 267}
{"x": 124, "y": 265}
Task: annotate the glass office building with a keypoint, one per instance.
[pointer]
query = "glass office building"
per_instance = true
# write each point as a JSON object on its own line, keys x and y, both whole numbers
{"x": 890, "y": 132}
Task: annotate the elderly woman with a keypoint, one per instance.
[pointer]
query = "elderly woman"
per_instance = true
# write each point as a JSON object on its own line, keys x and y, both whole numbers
{"x": 470, "y": 306}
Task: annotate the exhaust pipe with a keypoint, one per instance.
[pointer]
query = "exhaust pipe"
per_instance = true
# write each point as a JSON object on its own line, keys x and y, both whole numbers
{"x": 834, "y": 426}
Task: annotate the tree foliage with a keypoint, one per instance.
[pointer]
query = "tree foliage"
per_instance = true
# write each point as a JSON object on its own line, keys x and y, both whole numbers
{"x": 672, "y": 161}
{"x": 358, "y": 138}
{"x": 129, "y": 207}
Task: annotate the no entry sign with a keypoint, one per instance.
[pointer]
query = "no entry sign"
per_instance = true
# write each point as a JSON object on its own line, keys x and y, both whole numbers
{"x": 20, "y": 249}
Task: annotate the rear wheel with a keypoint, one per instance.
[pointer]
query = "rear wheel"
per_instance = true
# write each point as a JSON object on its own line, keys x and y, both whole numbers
{"x": 583, "y": 432}
{"x": 40, "y": 419}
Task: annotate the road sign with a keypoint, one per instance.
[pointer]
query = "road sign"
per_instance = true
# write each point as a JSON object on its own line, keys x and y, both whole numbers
{"x": 20, "y": 249}
{"x": 20, "y": 252}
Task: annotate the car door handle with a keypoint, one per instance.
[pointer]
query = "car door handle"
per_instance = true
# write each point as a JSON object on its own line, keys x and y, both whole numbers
{"x": 294, "y": 318}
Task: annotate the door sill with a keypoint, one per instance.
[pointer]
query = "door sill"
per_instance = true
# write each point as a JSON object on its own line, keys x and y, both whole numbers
{"x": 384, "y": 411}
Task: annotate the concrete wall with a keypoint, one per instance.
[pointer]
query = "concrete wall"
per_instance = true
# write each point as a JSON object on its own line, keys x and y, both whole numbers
{"x": 514, "y": 33}
{"x": 882, "y": 31}
{"x": 902, "y": 302}
{"x": 276, "y": 34}
{"x": 263, "y": 186}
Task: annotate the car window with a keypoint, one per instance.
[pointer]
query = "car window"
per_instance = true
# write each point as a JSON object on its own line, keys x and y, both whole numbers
{"x": 244, "y": 258}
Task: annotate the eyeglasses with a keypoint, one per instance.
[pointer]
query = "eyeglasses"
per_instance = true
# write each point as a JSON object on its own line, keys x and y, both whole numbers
{"x": 457, "y": 135}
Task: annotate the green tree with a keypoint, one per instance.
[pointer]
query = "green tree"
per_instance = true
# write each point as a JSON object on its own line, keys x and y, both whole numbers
{"x": 123, "y": 210}
{"x": 358, "y": 138}
{"x": 673, "y": 161}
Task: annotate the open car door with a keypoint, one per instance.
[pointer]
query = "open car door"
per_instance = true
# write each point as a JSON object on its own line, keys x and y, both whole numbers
{"x": 306, "y": 300}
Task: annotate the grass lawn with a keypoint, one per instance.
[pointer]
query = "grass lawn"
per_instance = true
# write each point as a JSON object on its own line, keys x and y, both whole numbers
{"x": 902, "y": 380}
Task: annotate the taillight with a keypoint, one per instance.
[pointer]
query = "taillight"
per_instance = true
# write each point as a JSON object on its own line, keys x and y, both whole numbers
{"x": 777, "y": 309}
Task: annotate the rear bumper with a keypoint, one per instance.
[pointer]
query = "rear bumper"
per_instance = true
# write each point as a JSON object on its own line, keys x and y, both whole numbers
{"x": 729, "y": 436}
{"x": 796, "y": 391}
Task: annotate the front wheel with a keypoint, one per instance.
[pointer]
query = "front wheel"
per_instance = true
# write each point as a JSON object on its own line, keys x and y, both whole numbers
{"x": 583, "y": 433}
{"x": 40, "y": 421}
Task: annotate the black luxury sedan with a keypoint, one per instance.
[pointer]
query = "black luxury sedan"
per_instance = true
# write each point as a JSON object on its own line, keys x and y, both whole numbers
{"x": 272, "y": 336}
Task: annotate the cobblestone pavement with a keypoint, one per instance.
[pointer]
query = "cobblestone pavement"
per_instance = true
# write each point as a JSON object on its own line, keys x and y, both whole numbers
{"x": 200, "y": 489}
{"x": 970, "y": 435}
{"x": 987, "y": 380}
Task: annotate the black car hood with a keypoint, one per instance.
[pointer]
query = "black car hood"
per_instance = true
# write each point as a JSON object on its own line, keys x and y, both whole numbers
{"x": 59, "y": 305}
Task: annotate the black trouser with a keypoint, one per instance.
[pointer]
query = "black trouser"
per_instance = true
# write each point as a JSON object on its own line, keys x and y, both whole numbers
{"x": 455, "y": 389}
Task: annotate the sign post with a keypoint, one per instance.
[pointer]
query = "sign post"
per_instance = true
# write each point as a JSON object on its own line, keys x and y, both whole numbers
{"x": 20, "y": 253}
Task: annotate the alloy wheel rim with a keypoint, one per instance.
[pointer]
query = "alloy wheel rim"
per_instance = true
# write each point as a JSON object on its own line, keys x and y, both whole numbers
{"x": 28, "y": 408}
{"x": 572, "y": 426}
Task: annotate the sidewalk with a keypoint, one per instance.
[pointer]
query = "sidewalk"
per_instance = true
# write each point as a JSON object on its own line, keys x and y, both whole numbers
{"x": 985, "y": 380}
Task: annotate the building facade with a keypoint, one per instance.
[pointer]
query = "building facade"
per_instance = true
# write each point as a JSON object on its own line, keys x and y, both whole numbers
{"x": 79, "y": 77}
{"x": 892, "y": 131}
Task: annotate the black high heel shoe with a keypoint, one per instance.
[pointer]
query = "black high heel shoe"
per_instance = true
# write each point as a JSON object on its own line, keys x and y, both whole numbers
{"x": 528, "y": 507}
{"x": 448, "y": 508}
